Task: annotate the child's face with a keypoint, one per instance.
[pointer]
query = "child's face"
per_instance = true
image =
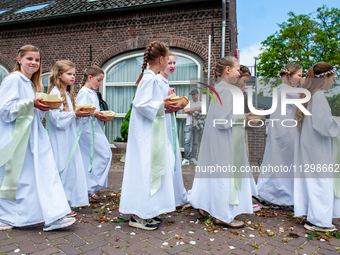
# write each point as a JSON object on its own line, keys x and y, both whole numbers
{"x": 95, "y": 81}
{"x": 29, "y": 64}
{"x": 329, "y": 81}
{"x": 68, "y": 77}
{"x": 171, "y": 67}
{"x": 164, "y": 62}
{"x": 296, "y": 78}
{"x": 242, "y": 82}
{"x": 232, "y": 73}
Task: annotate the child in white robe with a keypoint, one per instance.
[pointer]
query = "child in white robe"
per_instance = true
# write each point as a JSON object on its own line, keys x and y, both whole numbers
{"x": 278, "y": 187}
{"x": 96, "y": 158}
{"x": 63, "y": 133}
{"x": 181, "y": 195}
{"x": 148, "y": 188}
{"x": 37, "y": 195}
{"x": 217, "y": 190}
{"x": 314, "y": 194}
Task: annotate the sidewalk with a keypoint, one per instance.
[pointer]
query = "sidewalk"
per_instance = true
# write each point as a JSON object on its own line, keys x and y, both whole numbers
{"x": 267, "y": 232}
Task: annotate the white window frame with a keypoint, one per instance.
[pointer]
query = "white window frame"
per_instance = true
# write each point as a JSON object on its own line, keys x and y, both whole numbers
{"x": 176, "y": 52}
{"x": 44, "y": 75}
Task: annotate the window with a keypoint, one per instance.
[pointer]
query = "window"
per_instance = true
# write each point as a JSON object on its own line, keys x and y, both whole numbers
{"x": 3, "y": 73}
{"x": 119, "y": 87}
{"x": 33, "y": 8}
{"x": 45, "y": 80}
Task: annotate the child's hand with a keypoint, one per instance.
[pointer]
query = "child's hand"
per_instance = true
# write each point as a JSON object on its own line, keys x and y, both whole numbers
{"x": 171, "y": 91}
{"x": 170, "y": 106}
{"x": 100, "y": 116}
{"x": 40, "y": 106}
{"x": 79, "y": 113}
{"x": 187, "y": 110}
{"x": 253, "y": 121}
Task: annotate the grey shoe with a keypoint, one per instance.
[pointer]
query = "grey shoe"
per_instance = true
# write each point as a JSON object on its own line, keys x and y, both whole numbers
{"x": 193, "y": 161}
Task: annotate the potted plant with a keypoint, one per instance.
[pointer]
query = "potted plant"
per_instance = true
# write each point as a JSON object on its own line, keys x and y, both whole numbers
{"x": 121, "y": 142}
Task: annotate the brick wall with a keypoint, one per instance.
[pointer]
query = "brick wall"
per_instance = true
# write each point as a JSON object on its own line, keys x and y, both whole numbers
{"x": 185, "y": 26}
{"x": 256, "y": 143}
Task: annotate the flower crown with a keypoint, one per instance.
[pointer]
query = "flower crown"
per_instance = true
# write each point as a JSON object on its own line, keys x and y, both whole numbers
{"x": 284, "y": 70}
{"x": 325, "y": 73}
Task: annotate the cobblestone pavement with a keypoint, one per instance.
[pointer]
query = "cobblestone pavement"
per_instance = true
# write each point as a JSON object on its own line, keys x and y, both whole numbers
{"x": 100, "y": 229}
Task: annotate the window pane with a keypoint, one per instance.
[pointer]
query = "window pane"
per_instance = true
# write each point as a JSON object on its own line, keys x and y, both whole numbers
{"x": 112, "y": 128}
{"x": 126, "y": 70}
{"x": 119, "y": 98}
{"x": 186, "y": 69}
{"x": 45, "y": 81}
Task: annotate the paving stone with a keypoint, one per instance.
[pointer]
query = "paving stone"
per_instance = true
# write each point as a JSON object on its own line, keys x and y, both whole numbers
{"x": 154, "y": 251}
{"x": 135, "y": 247}
{"x": 93, "y": 246}
{"x": 197, "y": 251}
{"x": 136, "y": 239}
{"x": 112, "y": 250}
{"x": 239, "y": 252}
{"x": 36, "y": 238}
{"x": 264, "y": 250}
{"x": 27, "y": 247}
{"x": 59, "y": 234}
{"x": 3, "y": 235}
{"x": 202, "y": 246}
{"x": 6, "y": 248}
{"x": 240, "y": 245}
{"x": 156, "y": 242}
{"x": 47, "y": 251}
{"x": 282, "y": 245}
{"x": 14, "y": 240}
{"x": 116, "y": 242}
{"x": 283, "y": 252}
{"x": 93, "y": 252}
{"x": 81, "y": 232}
{"x": 322, "y": 245}
{"x": 69, "y": 249}
{"x": 326, "y": 252}
{"x": 119, "y": 234}
{"x": 75, "y": 240}
{"x": 93, "y": 238}
{"x": 297, "y": 241}
{"x": 101, "y": 230}
{"x": 307, "y": 248}
{"x": 140, "y": 253}
{"x": 178, "y": 248}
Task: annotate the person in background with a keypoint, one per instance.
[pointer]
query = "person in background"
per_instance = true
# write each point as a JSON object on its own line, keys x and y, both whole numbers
{"x": 190, "y": 129}
{"x": 102, "y": 104}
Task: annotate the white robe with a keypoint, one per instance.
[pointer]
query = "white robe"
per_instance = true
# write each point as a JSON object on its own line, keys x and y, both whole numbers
{"x": 135, "y": 196}
{"x": 278, "y": 187}
{"x": 212, "y": 193}
{"x": 40, "y": 195}
{"x": 63, "y": 133}
{"x": 181, "y": 195}
{"x": 97, "y": 179}
{"x": 314, "y": 196}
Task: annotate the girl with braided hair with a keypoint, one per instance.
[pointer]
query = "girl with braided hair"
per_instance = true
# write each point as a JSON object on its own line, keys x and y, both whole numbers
{"x": 277, "y": 188}
{"x": 148, "y": 189}
{"x": 63, "y": 135}
{"x": 315, "y": 192}
{"x": 94, "y": 146}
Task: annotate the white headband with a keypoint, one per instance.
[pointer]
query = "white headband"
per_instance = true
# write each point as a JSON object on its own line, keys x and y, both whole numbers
{"x": 325, "y": 73}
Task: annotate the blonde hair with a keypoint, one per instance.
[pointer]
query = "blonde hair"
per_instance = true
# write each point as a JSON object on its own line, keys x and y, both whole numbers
{"x": 93, "y": 71}
{"x": 288, "y": 70}
{"x": 152, "y": 52}
{"x": 223, "y": 63}
{"x": 36, "y": 77}
{"x": 313, "y": 84}
{"x": 59, "y": 68}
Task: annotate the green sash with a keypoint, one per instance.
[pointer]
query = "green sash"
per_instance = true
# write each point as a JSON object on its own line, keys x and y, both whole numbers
{"x": 174, "y": 135}
{"x": 238, "y": 151}
{"x": 15, "y": 151}
{"x": 157, "y": 150}
{"x": 336, "y": 160}
{"x": 92, "y": 130}
{"x": 47, "y": 125}
{"x": 73, "y": 147}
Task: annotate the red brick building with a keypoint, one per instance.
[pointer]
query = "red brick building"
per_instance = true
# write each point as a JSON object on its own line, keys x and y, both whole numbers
{"x": 113, "y": 35}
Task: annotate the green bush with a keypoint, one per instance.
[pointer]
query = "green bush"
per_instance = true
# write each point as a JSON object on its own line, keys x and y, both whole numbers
{"x": 124, "y": 129}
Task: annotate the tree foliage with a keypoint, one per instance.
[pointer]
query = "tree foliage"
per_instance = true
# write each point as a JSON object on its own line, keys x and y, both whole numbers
{"x": 334, "y": 103}
{"x": 303, "y": 39}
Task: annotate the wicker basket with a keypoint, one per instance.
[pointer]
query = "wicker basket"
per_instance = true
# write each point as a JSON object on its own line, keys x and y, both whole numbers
{"x": 181, "y": 102}
{"x": 91, "y": 110}
{"x": 53, "y": 104}
{"x": 109, "y": 114}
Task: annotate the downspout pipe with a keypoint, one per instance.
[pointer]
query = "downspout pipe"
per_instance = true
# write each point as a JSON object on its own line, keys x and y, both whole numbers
{"x": 224, "y": 7}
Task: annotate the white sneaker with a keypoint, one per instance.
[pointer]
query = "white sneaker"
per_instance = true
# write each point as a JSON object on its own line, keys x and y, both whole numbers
{"x": 4, "y": 226}
{"x": 185, "y": 162}
{"x": 256, "y": 208}
{"x": 193, "y": 161}
{"x": 61, "y": 223}
{"x": 311, "y": 227}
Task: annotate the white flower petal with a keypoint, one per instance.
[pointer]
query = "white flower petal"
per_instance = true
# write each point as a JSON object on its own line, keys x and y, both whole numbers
{"x": 192, "y": 242}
